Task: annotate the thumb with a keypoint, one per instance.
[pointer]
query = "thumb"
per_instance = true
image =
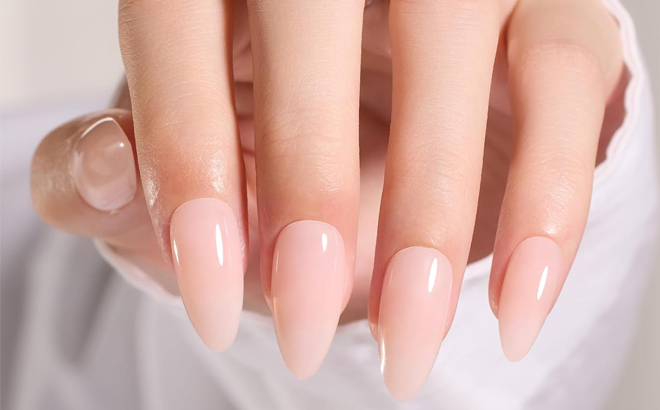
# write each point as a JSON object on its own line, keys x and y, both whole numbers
{"x": 85, "y": 180}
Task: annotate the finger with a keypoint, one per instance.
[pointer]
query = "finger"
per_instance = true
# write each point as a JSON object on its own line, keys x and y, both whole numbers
{"x": 306, "y": 71}
{"x": 87, "y": 164}
{"x": 564, "y": 60}
{"x": 84, "y": 181}
{"x": 178, "y": 66}
{"x": 442, "y": 55}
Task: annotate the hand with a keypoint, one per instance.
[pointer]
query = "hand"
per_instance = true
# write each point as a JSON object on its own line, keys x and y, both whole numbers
{"x": 454, "y": 73}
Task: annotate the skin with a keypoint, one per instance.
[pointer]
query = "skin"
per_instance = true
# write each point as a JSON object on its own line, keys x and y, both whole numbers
{"x": 464, "y": 95}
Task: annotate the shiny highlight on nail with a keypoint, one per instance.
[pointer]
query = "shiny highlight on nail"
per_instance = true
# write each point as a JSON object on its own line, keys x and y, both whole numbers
{"x": 433, "y": 274}
{"x": 176, "y": 253}
{"x": 218, "y": 246}
{"x": 544, "y": 279}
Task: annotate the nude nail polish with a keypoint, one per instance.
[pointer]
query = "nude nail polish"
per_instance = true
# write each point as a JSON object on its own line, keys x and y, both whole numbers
{"x": 103, "y": 168}
{"x": 528, "y": 293}
{"x": 308, "y": 279}
{"x": 206, "y": 249}
{"x": 412, "y": 318}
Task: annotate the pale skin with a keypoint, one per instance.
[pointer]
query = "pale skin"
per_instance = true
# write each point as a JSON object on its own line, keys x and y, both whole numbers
{"x": 401, "y": 120}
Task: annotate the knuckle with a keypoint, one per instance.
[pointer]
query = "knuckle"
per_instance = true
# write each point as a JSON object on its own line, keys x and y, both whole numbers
{"x": 141, "y": 17}
{"x": 555, "y": 191}
{"x": 131, "y": 15}
{"x": 196, "y": 112}
{"x": 562, "y": 178}
{"x": 561, "y": 54}
{"x": 447, "y": 4}
{"x": 312, "y": 144}
{"x": 132, "y": 10}
{"x": 441, "y": 172}
{"x": 48, "y": 180}
{"x": 456, "y": 12}
{"x": 174, "y": 153}
{"x": 142, "y": 7}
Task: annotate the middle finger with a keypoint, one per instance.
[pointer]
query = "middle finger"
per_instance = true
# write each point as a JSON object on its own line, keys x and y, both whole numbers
{"x": 306, "y": 86}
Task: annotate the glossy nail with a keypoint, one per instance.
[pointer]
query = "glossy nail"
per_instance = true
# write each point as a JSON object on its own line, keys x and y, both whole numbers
{"x": 412, "y": 317}
{"x": 528, "y": 294}
{"x": 103, "y": 168}
{"x": 206, "y": 249}
{"x": 308, "y": 279}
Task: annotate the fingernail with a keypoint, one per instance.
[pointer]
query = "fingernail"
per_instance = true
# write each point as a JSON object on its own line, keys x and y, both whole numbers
{"x": 528, "y": 293}
{"x": 309, "y": 272}
{"x": 207, "y": 257}
{"x": 103, "y": 166}
{"x": 412, "y": 318}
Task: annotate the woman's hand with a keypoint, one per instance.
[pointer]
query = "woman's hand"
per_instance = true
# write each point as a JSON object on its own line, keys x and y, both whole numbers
{"x": 446, "y": 78}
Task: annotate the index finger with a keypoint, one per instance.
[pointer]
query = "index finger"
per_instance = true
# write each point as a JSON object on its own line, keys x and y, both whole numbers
{"x": 178, "y": 65}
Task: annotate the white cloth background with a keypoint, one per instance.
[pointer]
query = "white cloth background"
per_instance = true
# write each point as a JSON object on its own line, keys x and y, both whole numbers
{"x": 80, "y": 338}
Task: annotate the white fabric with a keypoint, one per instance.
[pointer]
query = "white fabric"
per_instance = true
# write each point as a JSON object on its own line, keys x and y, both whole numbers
{"x": 76, "y": 336}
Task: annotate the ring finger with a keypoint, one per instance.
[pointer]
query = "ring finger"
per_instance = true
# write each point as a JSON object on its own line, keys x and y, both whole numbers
{"x": 442, "y": 56}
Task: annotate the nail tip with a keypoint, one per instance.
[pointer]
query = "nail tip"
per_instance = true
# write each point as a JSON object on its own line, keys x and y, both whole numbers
{"x": 303, "y": 366}
{"x": 302, "y": 370}
{"x": 303, "y": 356}
{"x": 513, "y": 350}
{"x": 404, "y": 383}
{"x": 303, "y": 374}
{"x": 218, "y": 347}
{"x": 218, "y": 342}
{"x": 517, "y": 344}
{"x": 217, "y": 333}
{"x": 402, "y": 395}
{"x": 513, "y": 357}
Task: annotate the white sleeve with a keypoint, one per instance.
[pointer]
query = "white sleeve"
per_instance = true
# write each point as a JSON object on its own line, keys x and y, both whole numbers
{"x": 147, "y": 279}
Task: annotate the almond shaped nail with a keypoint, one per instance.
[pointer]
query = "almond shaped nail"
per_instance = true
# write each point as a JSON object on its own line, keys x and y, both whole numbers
{"x": 412, "y": 318}
{"x": 528, "y": 294}
{"x": 308, "y": 278}
{"x": 103, "y": 167}
{"x": 208, "y": 263}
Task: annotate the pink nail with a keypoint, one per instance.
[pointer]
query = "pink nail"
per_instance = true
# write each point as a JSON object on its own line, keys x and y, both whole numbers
{"x": 209, "y": 268}
{"x": 528, "y": 293}
{"x": 309, "y": 274}
{"x": 412, "y": 317}
{"x": 103, "y": 168}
